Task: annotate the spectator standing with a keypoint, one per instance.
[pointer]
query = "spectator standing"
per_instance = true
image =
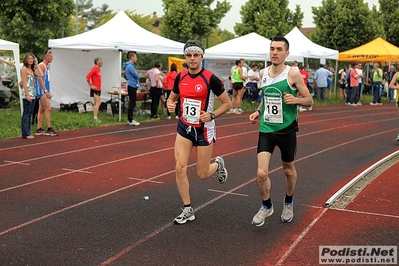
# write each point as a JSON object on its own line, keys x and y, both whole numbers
{"x": 155, "y": 88}
{"x": 93, "y": 78}
{"x": 278, "y": 126}
{"x": 198, "y": 89}
{"x": 342, "y": 83}
{"x": 238, "y": 78}
{"x": 253, "y": 79}
{"x": 305, "y": 76}
{"x": 43, "y": 95}
{"x": 320, "y": 80}
{"x": 133, "y": 83}
{"x": 377, "y": 85}
{"x": 168, "y": 83}
{"x": 28, "y": 94}
{"x": 360, "y": 79}
{"x": 330, "y": 79}
{"x": 354, "y": 85}
{"x": 391, "y": 92}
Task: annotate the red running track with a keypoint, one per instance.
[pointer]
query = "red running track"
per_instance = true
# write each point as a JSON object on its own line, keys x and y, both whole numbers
{"x": 77, "y": 199}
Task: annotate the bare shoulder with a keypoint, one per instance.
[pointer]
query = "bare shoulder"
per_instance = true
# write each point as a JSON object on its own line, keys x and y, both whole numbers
{"x": 294, "y": 73}
{"x": 261, "y": 72}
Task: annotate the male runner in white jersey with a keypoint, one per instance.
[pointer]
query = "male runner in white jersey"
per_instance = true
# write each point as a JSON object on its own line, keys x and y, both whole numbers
{"x": 278, "y": 126}
{"x": 197, "y": 88}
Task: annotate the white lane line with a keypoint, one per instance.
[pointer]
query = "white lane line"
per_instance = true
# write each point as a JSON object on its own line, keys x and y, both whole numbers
{"x": 12, "y": 163}
{"x": 91, "y": 148}
{"x": 300, "y": 237}
{"x": 226, "y": 192}
{"x": 367, "y": 213}
{"x": 76, "y": 171}
{"x": 89, "y": 167}
{"x": 145, "y": 180}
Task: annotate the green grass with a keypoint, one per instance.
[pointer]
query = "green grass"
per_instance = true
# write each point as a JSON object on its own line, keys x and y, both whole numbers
{"x": 10, "y": 119}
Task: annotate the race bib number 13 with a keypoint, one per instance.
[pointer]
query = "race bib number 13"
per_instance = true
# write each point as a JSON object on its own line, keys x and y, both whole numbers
{"x": 191, "y": 111}
{"x": 273, "y": 110}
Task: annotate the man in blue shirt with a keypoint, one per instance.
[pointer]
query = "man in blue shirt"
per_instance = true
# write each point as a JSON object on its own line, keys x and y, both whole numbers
{"x": 133, "y": 84}
{"x": 320, "y": 79}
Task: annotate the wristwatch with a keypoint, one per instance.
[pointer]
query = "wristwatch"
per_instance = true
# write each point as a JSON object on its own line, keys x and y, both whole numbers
{"x": 212, "y": 116}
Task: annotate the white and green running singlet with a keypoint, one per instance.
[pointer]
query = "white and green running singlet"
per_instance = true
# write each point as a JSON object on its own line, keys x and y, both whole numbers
{"x": 276, "y": 115}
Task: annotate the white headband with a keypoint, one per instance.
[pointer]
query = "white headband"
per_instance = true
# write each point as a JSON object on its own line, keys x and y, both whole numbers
{"x": 193, "y": 49}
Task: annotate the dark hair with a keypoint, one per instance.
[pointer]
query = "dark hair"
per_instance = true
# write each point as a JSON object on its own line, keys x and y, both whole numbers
{"x": 96, "y": 60}
{"x": 301, "y": 67}
{"x": 354, "y": 64}
{"x": 157, "y": 64}
{"x": 280, "y": 38}
{"x": 25, "y": 62}
{"x": 173, "y": 67}
{"x": 194, "y": 43}
{"x": 130, "y": 54}
{"x": 255, "y": 65}
{"x": 238, "y": 62}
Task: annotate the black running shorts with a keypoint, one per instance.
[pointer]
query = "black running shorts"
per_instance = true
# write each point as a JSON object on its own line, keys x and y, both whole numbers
{"x": 286, "y": 142}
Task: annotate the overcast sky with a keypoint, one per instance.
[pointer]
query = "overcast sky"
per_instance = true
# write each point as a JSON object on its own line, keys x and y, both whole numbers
{"x": 147, "y": 7}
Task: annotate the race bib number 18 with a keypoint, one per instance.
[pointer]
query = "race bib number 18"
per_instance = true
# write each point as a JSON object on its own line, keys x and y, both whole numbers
{"x": 273, "y": 110}
{"x": 191, "y": 111}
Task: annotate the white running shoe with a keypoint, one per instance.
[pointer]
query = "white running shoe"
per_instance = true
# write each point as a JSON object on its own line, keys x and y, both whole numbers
{"x": 221, "y": 171}
{"x": 288, "y": 212}
{"x": 231, "y": 111}
{"x": 260, "y": 216}
{"x": 134, "y": 123}
{"x": 186, "y": 215}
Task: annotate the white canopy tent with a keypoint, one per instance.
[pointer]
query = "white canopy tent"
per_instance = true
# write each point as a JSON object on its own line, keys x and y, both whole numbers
{"x": 250, "y": 47}
{"x": 310, "y": 49}
{"x": 300, "y": 43}
{"x": 73, "y": 56}
{"x": 14, "y": 47}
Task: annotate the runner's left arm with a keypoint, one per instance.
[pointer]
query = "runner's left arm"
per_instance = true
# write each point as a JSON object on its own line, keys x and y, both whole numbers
{"x": 218, "y": 88}
{"x": 296, "y": 80}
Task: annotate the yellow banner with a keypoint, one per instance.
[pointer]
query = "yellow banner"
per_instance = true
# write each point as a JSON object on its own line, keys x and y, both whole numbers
{"x": 177, "y": 61}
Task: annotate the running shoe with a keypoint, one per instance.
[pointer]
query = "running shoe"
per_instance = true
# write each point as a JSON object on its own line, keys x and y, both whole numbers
{"x": 221, "y": 171}
{"x": 50, "y": 132}
{"x": 134, "y": 123}
{"x": 288, "y": 212}
{"x": 40, "y": 131}
{"x": 397, "y": 138}
{"x": 260, "y": 216}
{"x": 240, "y": 110}
{"x": 186, "y": 215}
